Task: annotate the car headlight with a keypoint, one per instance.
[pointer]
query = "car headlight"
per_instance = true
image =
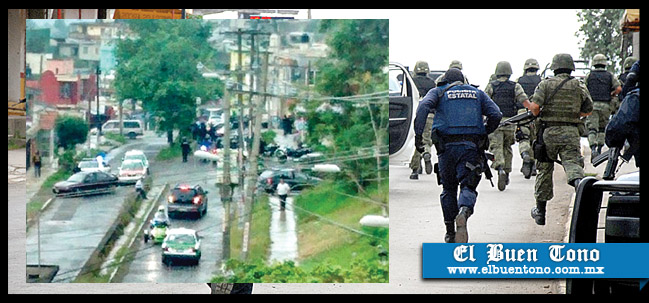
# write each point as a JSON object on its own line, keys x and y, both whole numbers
{"x": 170, "y": 199}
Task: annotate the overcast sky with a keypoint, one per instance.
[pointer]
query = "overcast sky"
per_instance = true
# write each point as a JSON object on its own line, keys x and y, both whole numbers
{"x": 479, "y": 38}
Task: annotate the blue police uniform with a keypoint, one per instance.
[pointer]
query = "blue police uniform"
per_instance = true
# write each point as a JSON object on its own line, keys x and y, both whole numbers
{"x": 625, "y": 125}
{"x": 459, "y": 110}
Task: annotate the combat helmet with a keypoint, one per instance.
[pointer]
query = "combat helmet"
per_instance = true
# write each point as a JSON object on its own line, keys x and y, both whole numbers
{"x": 503, "y": 68}
{"x": 421, "y": 67}
{"x": 599, "y": 59}
{"x": 530, "y": 63}
{"x": 562, "y": 61}
{"x": 628, "y": 62}
{"x": 455, "y": 64}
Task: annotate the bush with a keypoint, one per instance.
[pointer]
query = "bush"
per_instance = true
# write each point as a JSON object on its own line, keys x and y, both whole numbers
{"x": 70, "y": 131}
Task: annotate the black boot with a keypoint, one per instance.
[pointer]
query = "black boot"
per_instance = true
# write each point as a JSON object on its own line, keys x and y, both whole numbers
{"x": 502, "y": 179}
{"x": 414, "y": 175}
{"x": 449, "y": 237}
{"x": 429, "y": 165}
{"x": 538, "y": 212}
{"x": 593, "y": 152}
{"x": 462, "y": 235}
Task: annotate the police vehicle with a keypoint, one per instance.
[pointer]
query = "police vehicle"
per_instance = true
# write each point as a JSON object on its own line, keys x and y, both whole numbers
{"x": 404, "y": 99}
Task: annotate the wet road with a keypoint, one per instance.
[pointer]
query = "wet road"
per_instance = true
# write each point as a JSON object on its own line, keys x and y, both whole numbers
{"x": 147, "y": 264}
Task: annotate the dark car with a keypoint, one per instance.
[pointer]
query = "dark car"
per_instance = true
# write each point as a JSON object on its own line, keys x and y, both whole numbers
{"x": 86, "y": 183}
{"x": 185, "y": 198}
{"x": 269, "y": 179}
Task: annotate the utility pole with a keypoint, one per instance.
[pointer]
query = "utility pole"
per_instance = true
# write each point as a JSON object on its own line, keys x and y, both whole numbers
{"x": 254, "y": 152}
{"x": 226, "y": 189}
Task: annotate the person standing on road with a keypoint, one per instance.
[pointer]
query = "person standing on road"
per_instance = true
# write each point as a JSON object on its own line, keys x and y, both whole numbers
{"x": 559, "y": 102}
{"x": 423, "y": 83}
{"x": 37, "y": 164}
{"x": 459, "y": 135}
{"x": 185, "y": 149}
{"x": 282, "y": 192}
{"x": 523, "y": 136}
{"x": 603, "y": 88}
{"x": 139, "y": 188}
{"x": 509, "y": 96}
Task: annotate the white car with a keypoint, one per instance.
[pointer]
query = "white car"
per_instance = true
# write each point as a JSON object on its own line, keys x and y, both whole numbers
{"x": 404, "y": 99}
{"x": 130, "y": 128}
{"x": 92, "y": 165}
{"x": 131, "y": 170}
{"x": 137, "y": 155}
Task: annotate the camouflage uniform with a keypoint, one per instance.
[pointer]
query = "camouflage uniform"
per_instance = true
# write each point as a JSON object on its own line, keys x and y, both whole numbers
{"x": 527, "y": 131}
{"x": 424, "y": 84}
{"x": 561, "y": 116}
{"x": 502, "y": 139}
{"x": 601, "y": 109}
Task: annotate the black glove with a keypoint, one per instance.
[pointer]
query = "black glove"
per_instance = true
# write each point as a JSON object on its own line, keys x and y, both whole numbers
{"x": 419, "y": 143}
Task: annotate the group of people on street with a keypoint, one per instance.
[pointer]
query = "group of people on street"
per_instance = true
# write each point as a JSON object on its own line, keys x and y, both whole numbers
{"x": 450, "y": 117}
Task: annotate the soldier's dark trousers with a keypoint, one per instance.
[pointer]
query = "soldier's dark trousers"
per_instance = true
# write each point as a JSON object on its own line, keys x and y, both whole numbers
{"x": 453, "y": 172}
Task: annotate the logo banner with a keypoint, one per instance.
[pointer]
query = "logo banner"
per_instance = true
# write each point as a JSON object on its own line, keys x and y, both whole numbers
{"x": 535, "y": 260}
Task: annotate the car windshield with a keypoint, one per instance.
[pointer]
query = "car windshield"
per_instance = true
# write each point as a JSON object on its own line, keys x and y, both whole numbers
{"x": 183, "y": 194}
{"x": 88, "y": 164}
{"x": 135, "y": 157}
{"x": 133, "y": 165}
{"x": 76, "y": 178}
{"x": 181, "y": 238}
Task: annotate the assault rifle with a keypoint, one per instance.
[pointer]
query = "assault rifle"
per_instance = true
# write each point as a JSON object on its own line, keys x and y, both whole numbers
{"x": 613, "y": 157}
{"x": 520, "y": 119}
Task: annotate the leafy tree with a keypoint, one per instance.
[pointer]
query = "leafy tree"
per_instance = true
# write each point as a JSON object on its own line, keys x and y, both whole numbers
{"x": 354, "y": 67}
{"x": 157, "y": 64}
{"x": 600, "y": 32}
{"x": 70, "y": 131}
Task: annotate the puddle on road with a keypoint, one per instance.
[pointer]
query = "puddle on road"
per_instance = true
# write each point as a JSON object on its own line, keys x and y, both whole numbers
{"x": 283, "y": 233}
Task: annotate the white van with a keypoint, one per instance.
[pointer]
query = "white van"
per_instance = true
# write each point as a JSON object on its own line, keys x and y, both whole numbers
{"x": 131, "y": 128}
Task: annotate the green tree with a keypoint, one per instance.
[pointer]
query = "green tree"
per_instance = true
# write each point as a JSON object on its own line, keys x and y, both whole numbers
{"x": 600, "y": 33}
{"x": 157, "y": 64}
{"x": 354, "y": 67}
{"x": 70, "y": 131}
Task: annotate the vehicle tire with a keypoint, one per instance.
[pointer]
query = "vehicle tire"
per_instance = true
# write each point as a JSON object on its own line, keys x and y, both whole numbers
{"x": 132, "y": 135}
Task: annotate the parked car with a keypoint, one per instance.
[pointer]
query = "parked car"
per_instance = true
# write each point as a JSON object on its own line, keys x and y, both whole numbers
{"x": 130, "y": 128}
{"x": 185, "y": 198}
{"x": 137, "y": 155}
{"x": 181, "y": 244}
{"x": 131, "y": 170}
{"x": 269, "y": 179}
{"x": 86, "y": 183}
{"x": 90, "y": 165}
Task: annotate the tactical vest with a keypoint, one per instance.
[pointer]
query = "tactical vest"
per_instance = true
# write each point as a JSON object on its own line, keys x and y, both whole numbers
{"x": 459, "y": 111}
{"x": 566, "y": 103}
{"x": 503, "y": 95}
{"x": 423, "y": 84}
{"x": 529, "y": 83}
{"x": 599, "y": 85}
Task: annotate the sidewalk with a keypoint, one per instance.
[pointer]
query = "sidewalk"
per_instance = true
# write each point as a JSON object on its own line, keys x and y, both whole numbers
{"x": 16, "y": 172}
